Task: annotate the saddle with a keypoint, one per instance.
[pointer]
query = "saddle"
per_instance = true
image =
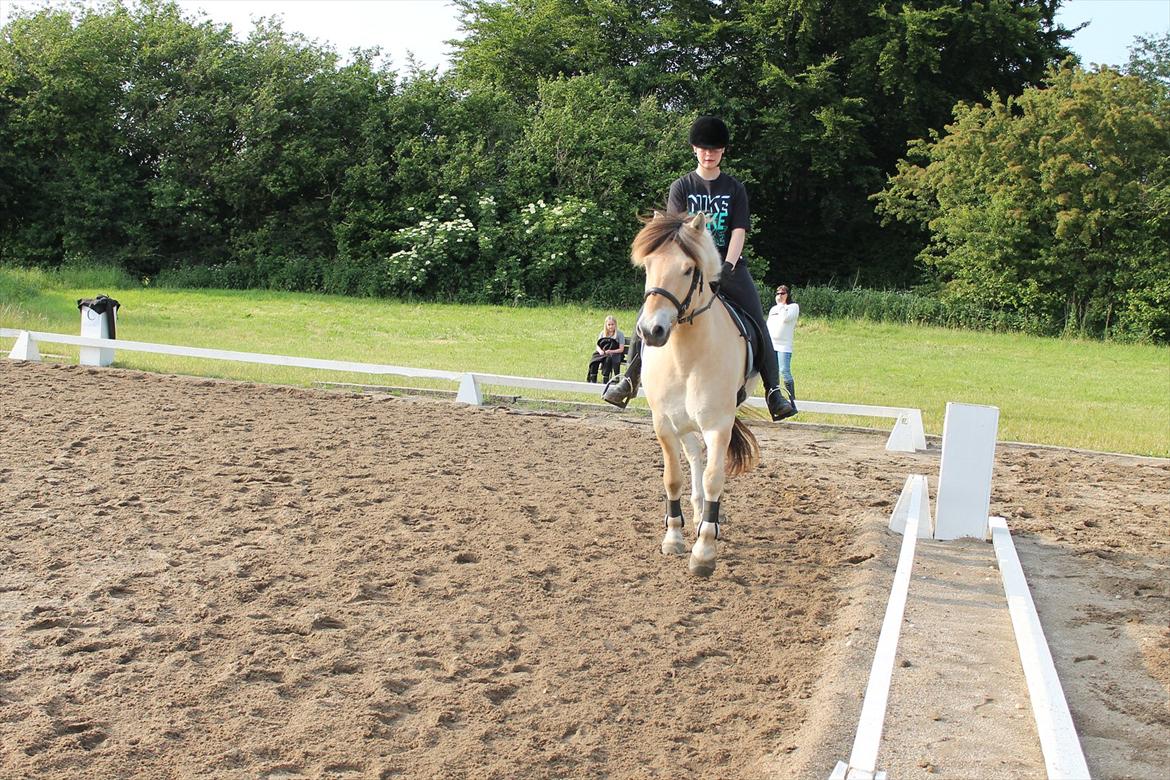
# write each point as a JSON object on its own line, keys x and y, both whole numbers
{"x": 756, "y": 340}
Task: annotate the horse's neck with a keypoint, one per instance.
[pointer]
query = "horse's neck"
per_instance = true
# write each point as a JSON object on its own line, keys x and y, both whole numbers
{"x": 706, "y": 334}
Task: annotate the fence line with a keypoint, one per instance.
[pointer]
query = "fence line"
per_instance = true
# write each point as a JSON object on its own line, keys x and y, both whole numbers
{"x": 863, "y": 758}
{"x": 906, "y": 436}
{"x": 1063, "y": 757}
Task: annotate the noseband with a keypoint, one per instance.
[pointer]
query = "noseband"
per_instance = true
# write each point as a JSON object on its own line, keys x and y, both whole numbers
{"x": 696, "y": 284}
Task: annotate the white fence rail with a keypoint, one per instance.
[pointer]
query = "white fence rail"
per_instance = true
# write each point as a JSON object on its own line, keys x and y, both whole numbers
{"x": 1063, "y": 757}
{"x": 906, "y": 436}
{"x": 862, "y": 763}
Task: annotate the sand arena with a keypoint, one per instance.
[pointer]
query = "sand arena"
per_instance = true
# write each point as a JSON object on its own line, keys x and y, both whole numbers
{"x": 213, "y": 579}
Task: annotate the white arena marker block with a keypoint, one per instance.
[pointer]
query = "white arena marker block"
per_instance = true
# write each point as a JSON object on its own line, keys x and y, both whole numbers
{"x": 964, "y": 474}
{"x": 908, "y": 434}
{"x": 95, "y": 326}
{"x": 469, "y": 391}
{"x": 25, "y": 348}
{"x": 914, "y": 494}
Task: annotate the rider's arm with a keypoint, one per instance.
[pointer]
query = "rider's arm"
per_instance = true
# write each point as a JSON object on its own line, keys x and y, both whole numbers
{"x": 735, "y": 245}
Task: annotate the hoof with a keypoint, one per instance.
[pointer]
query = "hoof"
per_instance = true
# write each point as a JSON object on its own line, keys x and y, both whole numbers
{"x": 673, "y": 542}
{"x": 702, "y": 562}
{"x": 701, "y": 568}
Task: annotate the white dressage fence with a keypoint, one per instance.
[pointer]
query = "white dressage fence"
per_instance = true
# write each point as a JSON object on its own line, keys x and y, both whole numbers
{"x": 906, "y": 436}
{"x": 1059, "y": 743}
{"x": 963, "y": 498}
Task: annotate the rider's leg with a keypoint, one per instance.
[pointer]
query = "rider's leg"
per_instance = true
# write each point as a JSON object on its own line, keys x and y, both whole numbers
{"x": 621, "y": 390}
{"x": 740, "y": 289}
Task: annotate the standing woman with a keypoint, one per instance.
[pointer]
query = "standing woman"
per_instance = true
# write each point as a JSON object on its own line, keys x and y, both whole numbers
{"x": 782, "y": 327}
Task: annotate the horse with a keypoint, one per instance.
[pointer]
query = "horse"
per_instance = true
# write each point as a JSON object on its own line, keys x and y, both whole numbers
{"x": 693, "y": 364}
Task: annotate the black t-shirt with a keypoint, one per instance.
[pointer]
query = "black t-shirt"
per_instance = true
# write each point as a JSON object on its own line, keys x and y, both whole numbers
{"x": 724, "y": 201}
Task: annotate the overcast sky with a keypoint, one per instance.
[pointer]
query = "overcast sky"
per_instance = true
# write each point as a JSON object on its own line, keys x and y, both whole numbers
{"x": 421, "y": 26}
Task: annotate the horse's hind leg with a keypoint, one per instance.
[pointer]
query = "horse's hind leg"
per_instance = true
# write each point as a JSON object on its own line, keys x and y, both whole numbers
{"x": 702, "y": 562}
{"x": 693, "y": 445}
{"x": 673, "y": 542}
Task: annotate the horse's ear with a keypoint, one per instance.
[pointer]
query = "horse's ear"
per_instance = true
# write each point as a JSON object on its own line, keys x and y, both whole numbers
{"x": 699, "y": 222}
{"x": 658, "y": 214}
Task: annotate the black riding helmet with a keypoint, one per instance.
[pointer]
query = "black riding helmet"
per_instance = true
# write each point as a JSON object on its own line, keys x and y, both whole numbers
{"x": 709, "y": 132}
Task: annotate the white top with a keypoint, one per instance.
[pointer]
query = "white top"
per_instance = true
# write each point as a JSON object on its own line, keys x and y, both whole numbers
{"x": 782, "y": 325}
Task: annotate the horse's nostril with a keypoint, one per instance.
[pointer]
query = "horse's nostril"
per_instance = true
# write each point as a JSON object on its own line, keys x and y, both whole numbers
{"x": 658, "y": 331}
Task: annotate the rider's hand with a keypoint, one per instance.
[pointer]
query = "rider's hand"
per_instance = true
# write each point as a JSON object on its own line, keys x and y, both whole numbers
{"x": 725, "y": 272}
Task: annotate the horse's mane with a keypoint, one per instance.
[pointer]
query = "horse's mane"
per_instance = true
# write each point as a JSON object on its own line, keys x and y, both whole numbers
{"x": 661, "y": 228}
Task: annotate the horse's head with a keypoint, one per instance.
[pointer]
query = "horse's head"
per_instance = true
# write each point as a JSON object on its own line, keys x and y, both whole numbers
{"x": 680, "y": 261}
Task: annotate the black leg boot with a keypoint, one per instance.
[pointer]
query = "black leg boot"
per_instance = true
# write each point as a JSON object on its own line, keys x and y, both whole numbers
{"x": 790, "y": 386}
{"x": 769, "y": 368}
{"x": 778, "y": 406}
{"x": 622, "y": 390}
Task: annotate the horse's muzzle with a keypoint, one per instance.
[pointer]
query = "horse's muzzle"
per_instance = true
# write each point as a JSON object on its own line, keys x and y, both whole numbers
{"x": 655, "y": 330}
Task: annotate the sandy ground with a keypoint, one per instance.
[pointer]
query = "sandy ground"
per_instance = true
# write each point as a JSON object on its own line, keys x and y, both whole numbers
{"x": 213, "y": 579}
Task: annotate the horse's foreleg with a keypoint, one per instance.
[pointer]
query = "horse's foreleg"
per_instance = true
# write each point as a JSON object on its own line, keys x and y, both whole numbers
{"x": 693, "y": 445}
{"x": 702, "y": 560}
{"x": 673, "y": 542}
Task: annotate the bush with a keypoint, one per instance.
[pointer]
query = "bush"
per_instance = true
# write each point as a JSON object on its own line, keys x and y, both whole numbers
{"x": 914, "y": 309}
{"x": 221, "y": 276}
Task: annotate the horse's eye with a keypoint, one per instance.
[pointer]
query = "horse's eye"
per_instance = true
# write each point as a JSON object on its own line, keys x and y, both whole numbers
{"x": 688, "y": 272}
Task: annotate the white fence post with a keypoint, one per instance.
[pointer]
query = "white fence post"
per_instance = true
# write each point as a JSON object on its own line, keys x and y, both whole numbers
{"x": 908, "y": 434}
{"x": 964, "y": 475}
{"x": 25, "y": 348}
{"x": 469, "y": 392}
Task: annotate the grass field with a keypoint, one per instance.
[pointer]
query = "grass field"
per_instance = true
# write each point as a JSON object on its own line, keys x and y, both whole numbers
{"x": 1094, "y": 395}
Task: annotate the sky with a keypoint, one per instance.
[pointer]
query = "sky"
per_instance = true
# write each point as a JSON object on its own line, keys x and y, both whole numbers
{"x": 420, "y": 27}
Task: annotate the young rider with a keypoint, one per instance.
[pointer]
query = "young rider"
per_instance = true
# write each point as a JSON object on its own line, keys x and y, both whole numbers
{"x": 725, "y": 202}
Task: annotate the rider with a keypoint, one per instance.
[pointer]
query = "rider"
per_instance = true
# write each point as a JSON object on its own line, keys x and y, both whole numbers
{"x": 725, "y": 202}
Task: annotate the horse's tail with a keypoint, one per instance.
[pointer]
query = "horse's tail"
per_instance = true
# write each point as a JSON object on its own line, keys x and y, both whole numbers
{"x": 743, "y": 451}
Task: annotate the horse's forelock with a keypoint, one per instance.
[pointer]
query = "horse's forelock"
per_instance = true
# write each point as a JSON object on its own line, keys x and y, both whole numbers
{"x": 675, "y": 227}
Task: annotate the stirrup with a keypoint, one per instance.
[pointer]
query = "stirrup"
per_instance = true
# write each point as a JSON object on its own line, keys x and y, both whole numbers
{"x": 619, "y": 391}
{"x": 783, "y": 409}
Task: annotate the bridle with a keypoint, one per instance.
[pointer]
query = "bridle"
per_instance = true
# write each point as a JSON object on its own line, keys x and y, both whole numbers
{"x": 696, "y": 284}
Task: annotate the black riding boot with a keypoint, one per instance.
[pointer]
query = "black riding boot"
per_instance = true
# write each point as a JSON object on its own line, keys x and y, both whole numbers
{"x": 621, "y": 390}
{"x": 769, "y": 367}
{"x": 737, "y": 286}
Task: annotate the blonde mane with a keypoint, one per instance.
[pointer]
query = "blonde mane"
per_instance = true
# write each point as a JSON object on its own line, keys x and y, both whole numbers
{"x": 678, "y": 228}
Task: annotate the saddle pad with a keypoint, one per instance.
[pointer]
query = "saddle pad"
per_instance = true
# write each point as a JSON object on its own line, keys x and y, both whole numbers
{"x": 750, "y": 334}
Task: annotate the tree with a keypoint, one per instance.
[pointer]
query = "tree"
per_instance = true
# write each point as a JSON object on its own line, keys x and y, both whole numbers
{"x": 1149, "y": 58}
{"x": 822, "y": 96}
{"x": 1051, "y": 204}
{"x": 69, "y": 189}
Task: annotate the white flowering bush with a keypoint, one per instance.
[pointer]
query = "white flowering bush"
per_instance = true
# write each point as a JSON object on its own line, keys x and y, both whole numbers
{"x": 565, "y": 245}
{"x": 435, "y": 251}
{"x": 542, "y": 251}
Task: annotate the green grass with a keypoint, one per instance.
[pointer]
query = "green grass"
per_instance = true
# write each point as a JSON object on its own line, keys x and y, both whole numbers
{"x": 1089, "y": 394}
